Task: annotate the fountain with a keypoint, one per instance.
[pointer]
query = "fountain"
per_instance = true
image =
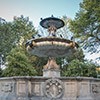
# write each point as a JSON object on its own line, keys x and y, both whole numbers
{"x": 51, "y": 46}
{"x": 50, "y": 86}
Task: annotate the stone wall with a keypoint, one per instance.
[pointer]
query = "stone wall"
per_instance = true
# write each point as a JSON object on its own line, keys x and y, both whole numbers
{"x": 43, "y": 88}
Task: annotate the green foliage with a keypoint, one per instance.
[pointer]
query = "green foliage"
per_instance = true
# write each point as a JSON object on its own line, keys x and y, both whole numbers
{"x": 12, "y": 32}
{"x": 15, "y": 34}
{"x": 64, "y": 31}
{"x": 98, "y": 72}
{"x": 38, "y": 63}
{"x": 0, "y": 72}
{"x": 77, "y": 68}
{"x": 86, "y": 25}
{"x": 23, "y": 27}
{"x": 18, "y": 64}
{"x": 76, "y": 55}
{"x": 7, "y": 38}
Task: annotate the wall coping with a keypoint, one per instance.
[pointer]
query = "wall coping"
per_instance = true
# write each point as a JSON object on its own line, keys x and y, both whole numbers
{"x": 44, "y": 78}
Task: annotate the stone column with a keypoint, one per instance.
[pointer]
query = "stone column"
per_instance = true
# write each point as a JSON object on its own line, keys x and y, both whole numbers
{"x": 51, "y": 69}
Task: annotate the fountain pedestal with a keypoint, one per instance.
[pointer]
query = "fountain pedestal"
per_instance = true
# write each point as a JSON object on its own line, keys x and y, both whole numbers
{"x": 51, "y": 73}
{"x": 51, "y": 69}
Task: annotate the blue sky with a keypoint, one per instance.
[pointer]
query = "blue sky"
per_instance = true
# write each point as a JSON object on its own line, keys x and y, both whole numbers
{"x": 35, "y": 9}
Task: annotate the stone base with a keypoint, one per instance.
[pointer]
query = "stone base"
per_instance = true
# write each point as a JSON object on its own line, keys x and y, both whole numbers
{"x": 51, "y": 73}
{"x": 51, "y": 69}
{"x": 44, "y": 88}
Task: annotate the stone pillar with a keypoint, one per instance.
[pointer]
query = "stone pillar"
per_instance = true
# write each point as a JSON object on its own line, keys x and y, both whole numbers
{"x": 51, "y": 73}
{"x": 51, "y": 69}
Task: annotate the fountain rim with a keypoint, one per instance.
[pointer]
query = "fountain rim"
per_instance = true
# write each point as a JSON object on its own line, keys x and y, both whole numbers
{"x": 46, "y": 20}
{"x": 50, "y": 39}
{"x": 60, "y": 47}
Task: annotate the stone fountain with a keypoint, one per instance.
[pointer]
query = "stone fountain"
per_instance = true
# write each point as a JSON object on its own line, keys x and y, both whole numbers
{"x": 50, "y": 86}
{"x": 51, "y": 46}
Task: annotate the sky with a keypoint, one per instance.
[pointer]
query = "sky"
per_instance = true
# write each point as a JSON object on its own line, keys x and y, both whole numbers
{"x": 36, "y": 9}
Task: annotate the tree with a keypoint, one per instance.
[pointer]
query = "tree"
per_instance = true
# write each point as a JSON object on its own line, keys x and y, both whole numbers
{"x": 0, "y": 72}
{"x": 15, "y": 34}
{"x": 64, "y": 62}
{"x": 64, "y": 32}
{"x": 86, "y": 25}
{"x": 7, "y": 38}
{"x": 76, "y": 55}
{"x": 77, "y": 68}
{"x": 18, "y": 64}
{"x": 23, "y": 27}
{"x": 12, "y": 32}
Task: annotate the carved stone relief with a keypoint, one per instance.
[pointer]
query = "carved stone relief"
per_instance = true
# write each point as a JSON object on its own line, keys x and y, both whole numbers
{"x": 95, "y": 88}
{"x": 36, "y": 88}
{"x": 84, "y": 89}
{"x": 6, "y": 87}
{"x": 70, "y": 89}
{"x": 21, "y": 88}
{"x": 53, "y": 88}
